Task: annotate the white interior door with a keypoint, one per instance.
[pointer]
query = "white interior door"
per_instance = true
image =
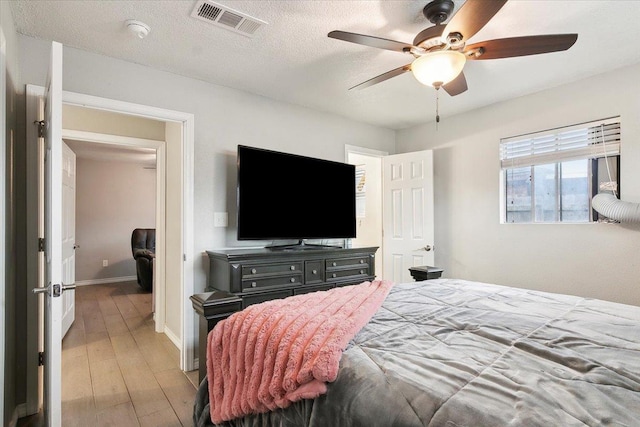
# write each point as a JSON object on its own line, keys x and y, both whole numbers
{"x": 68, "y": 235}
{"x": 407, "y": 213}
{"x": 52, "y": 406}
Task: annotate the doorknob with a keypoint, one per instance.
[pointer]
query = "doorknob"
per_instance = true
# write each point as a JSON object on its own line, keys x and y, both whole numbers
{"x": 427, "y": 248}
{"x": 55, "y": 290}
{"x": 76, "y": 247}
{"x": 44, "y": 290}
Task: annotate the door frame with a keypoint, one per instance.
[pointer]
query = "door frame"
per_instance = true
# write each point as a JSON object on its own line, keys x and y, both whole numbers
{"x": 363, "y": 151}
{"x": 160, "y": 214}
{"x": 3, "y": 208}
{"x": 187, "y": 121}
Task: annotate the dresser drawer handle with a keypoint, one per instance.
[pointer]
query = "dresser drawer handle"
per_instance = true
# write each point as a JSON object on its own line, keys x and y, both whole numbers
{"x": 314, "y": 271}
{"x": 361, "y": 271}
{"x": 361, "y": 261}
{"x": 334, "y": 275}
{"x": 334, "y": 264}
{"x": 293, "y": 280}
{"x": 293, "y": 267}
{"x": 254, "y": 271}
{"x": 254, "y": 284}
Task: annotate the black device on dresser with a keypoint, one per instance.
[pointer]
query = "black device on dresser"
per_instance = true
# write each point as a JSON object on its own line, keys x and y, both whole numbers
{"x": 258, "y": 275}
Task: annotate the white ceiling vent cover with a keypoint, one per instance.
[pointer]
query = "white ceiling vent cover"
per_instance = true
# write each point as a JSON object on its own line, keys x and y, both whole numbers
{"x": 227, "y": 18}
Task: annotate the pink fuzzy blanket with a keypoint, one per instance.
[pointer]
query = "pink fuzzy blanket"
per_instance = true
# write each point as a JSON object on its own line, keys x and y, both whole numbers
{"x": 271, "y": 354}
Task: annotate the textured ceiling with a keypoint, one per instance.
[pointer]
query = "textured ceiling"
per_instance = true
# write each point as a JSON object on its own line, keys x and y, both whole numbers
{"x": 292, "y": 59}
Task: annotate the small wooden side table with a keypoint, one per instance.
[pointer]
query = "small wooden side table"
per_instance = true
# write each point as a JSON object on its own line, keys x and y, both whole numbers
{"x": 212, "y": 307}
{"x": 425, "y": 273}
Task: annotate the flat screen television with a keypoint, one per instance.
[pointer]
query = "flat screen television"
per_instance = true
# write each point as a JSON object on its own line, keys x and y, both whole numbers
{"x": 284, "y": 196}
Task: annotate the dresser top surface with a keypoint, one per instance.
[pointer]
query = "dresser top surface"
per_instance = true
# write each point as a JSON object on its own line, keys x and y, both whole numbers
{"x": 286, "y": 253}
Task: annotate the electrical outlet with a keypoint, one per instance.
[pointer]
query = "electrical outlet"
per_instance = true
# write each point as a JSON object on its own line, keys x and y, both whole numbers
{"x": 105, "y": 263}
{"x": 220, "y": 219}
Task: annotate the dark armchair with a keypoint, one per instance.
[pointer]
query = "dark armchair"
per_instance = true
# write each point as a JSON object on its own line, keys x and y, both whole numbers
{"x": 143, "y": 248}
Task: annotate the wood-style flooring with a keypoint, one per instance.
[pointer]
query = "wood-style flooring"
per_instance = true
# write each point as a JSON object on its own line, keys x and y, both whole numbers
{"x": 116, "y": 370}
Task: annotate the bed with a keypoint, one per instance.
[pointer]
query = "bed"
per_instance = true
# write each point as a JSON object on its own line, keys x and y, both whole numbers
{"x": 456, "y": 353}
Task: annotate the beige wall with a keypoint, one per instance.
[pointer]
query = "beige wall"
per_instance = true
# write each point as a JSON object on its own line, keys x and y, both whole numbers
{"x": 593, "y": 260}
{"x": 112, "y": 199}
{"x": 174, "y": 224}
{"x": 90, "y": 120}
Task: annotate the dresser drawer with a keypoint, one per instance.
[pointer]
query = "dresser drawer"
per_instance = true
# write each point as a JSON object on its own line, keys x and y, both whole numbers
{"x": 339, "y": 263}
{"x": 313, "y": 272}
{"x": 249, "y": 271}
{"x": 351, "y": 273}
{"x": 271, "y": 282}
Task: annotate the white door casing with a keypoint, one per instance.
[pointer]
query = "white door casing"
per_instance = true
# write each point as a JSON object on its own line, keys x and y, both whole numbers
{"x": 68, "y": 235}
{"x": 189, "y": 318}
{"x": 408, "y": 237}
{"x": 53, "y": 240}
{"x": 3, "y": 205}
{"x": 189, "y": 338}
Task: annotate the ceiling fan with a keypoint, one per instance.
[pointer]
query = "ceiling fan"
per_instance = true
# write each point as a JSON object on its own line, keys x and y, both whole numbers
{"x": 441, "y": 51}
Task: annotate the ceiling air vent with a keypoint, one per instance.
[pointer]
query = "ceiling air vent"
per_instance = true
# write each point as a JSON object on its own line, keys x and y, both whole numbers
{"x": 227, "y": 18}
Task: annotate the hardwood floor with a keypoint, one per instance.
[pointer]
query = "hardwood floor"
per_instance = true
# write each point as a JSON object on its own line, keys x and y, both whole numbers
{"x": 116, "y": 370}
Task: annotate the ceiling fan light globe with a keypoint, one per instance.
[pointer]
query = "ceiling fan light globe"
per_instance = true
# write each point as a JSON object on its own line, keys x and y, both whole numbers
{"x": 438, "y": 68}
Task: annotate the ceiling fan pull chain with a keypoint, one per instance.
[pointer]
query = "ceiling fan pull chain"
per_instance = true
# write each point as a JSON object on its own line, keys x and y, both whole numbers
{"x": 437, "y": 106}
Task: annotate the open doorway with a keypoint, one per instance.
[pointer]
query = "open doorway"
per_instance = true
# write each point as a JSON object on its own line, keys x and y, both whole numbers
{"x": 368, "y": 164}
{"x": 112, "y": 167}
{"x": 175, "y": 228}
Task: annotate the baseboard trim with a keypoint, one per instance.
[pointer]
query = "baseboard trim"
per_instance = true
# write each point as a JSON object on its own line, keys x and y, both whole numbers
{"x": 173, "y": 337}
{"x": 107, "y": 280}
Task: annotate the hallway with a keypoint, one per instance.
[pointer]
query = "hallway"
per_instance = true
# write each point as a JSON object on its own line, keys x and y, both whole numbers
{"x": 116, "y": 369}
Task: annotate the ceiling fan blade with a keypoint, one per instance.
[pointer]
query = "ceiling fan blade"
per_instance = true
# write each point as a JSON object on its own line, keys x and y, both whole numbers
{"x": 372, "y": 41}
{"x": 382, "y": 77}
{"x": 471, "y": 17}
{"x": 457, "y": 85}
{"x": 520, "y": 46}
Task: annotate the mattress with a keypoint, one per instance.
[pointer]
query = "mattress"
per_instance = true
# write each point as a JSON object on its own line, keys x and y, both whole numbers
{"x": 456, "y": 353}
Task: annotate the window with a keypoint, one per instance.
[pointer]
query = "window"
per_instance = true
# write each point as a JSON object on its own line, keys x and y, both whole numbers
{"x": 551, "y": 176}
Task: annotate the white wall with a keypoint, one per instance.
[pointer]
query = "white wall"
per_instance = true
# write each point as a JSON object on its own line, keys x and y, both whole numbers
{"x": 593, "y": 260}
{"x": 112, "y": 199}
{"x": 224, "y": 118}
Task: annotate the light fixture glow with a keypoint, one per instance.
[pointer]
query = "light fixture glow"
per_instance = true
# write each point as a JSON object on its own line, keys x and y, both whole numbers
{"x": 438, "y": 68}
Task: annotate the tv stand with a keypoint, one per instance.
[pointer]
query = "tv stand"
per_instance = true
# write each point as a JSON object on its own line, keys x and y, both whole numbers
{"x": 258, "y": 275}
{"x": 300, "y": 246}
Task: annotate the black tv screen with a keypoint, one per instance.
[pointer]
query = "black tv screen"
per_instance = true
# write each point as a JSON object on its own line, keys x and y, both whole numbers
{"x": 286, "y": 196}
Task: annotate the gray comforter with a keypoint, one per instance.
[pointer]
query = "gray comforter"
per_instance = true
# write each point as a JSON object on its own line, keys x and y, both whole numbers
{"x": 454, "y": 353}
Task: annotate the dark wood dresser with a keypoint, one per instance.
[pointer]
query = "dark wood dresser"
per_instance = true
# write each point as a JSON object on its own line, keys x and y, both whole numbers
{"x": 258, "y": 275}
{"x": 241, "y": 277}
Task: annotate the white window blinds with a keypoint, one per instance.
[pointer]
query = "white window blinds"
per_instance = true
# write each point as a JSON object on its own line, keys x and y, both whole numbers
{"x": 584, "y": 141}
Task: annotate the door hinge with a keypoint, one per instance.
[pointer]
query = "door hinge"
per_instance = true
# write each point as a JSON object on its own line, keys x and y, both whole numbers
{"x": 41, "y": 358}
{"x": 42, "y": 125}
{"x": 41, "y": 244}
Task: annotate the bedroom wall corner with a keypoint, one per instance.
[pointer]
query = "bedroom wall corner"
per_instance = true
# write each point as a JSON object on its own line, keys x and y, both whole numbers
{"x": 591, "y": 260}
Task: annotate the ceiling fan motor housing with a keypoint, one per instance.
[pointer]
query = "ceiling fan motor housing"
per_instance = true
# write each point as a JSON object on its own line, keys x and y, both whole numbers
{"x": 438, "y": 11}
